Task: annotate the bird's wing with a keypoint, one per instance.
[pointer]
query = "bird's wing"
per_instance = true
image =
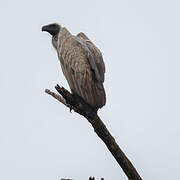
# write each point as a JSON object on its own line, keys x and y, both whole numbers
{"x": 95, "y": 58}
{"x": 83, "y": 67}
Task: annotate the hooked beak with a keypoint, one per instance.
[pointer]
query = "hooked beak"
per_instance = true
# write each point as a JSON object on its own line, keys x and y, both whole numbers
{"x": 52, "y": 29}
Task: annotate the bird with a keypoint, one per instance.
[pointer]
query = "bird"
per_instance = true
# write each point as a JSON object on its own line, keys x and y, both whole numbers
{"x": 82, "y": 64}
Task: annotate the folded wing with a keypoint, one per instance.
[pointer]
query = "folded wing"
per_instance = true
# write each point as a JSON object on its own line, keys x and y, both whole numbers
{"x": 83, "y": 67}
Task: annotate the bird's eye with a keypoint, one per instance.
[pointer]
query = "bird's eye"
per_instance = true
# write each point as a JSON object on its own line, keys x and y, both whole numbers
{"x": 55, "y": 38}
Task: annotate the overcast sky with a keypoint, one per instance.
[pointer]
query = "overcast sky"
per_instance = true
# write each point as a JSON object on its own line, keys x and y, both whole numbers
{"x": 140, "y": 42}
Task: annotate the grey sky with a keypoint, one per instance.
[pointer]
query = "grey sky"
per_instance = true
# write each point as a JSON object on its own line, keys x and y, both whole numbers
{"x": 140, "y": 42}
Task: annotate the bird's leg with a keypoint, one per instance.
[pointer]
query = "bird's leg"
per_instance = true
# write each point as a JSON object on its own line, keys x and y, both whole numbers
{"x": 77, "y": 103}
{"x": 70, "y": 108}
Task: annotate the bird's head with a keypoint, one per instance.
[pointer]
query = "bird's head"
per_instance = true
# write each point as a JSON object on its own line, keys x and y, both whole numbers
{"x": 53, "y": 29}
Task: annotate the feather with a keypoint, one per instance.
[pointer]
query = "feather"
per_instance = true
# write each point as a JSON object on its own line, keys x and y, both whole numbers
{"x": 83, "y": 67}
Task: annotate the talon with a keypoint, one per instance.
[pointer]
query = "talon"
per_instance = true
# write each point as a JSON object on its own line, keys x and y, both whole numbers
{"x": 70, "y": 109}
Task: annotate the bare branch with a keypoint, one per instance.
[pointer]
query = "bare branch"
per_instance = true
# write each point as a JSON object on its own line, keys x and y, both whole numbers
{"x": 81, "y": 107}
{"x": 57, "y": 96}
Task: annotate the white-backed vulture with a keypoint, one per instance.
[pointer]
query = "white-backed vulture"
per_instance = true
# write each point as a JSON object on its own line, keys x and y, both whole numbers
{"x": 82, "y": 64}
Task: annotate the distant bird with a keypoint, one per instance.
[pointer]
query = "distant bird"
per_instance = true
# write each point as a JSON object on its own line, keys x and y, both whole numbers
{"x": 82, "y": 64}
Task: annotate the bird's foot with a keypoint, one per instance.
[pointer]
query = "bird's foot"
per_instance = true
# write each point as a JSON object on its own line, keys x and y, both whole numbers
{"x": 70, "y": 108}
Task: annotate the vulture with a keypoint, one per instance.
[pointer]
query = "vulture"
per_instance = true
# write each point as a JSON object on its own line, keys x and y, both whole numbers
{"x": 82, "y": 64}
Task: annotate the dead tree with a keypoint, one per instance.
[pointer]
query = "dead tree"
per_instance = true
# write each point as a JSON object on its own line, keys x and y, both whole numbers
{"x": 82, "y": 108}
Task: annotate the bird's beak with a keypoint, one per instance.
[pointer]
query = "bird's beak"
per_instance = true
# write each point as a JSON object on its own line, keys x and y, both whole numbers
{"x": 53, "y": 29}
{"x": 45, "y": 28}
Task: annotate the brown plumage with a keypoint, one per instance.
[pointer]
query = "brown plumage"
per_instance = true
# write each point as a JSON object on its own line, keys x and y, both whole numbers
{"x": 82, "y": 64}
